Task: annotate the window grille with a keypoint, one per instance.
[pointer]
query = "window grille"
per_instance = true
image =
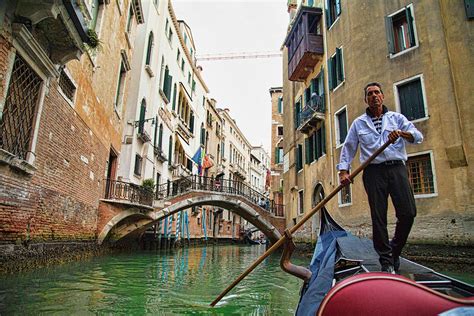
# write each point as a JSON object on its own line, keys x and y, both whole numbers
{"x": 18, "y": 118}
{"x": 67, "y": 86}
{"x": 138, "y": 165}
{"x": 345, "y": 195}
{"x": 421, "y": 174}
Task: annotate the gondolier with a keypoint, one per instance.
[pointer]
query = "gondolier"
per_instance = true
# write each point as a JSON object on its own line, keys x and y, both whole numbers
{"x": 386, "y": 175}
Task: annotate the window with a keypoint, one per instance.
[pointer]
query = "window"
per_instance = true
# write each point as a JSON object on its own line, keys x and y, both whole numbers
{"x": 333, "y": 11}
{"x": 17, "y": 123}
{"x": 341, "y": 126}
{"x": 401, "y": 32}
{"x": 141, "y": 121}
{"x": 167, "y": 83}
{"x": 299, "y": 157}
{"x": 129, "y": 20}
{"x": 182, "y": 64}
{"x": 300, "y": 202}
{"x": 278, "y": 155}
{"x": 297, "y": 113}
{"x": 280, "y": 130}
{"x": 189, "y": 78}
{"x": 409, "y": 95}
{"x": 280, "y": 105}
{"x": 174, "y": 97}
{"x": 315, "y": 145}
{"x": 170, "y": 150}
{"x": 67, "y": 87}
{"x": 120, "y": 88}
{"x": 469, "y": 6}
{"x": 166, "y": 26}
{"x": 160, "y": 136}
{"x": 345, "y": 196}
{"x": 336, "y": 69}
{"x": 149, "y": 49}
{"x": 178, "y": 56}
{"x": 138, "y": 165}
{"x": 420, "y": 173}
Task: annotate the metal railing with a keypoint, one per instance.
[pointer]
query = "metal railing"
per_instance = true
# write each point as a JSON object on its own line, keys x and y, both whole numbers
{"x": 202, "y": 183}
{"x": 119, "y": 190}
{"x": 316, "y": 105}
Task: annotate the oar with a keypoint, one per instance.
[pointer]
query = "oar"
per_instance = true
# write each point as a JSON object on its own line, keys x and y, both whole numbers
{"x": 280, "y": 241}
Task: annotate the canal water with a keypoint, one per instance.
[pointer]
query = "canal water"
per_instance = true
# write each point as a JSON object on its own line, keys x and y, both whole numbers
{"x": 178, "y": 281}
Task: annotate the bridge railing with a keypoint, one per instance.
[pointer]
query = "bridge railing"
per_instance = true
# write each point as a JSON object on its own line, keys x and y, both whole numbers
{"x": 119, "y": 190}
{"x": 202, "y": 183}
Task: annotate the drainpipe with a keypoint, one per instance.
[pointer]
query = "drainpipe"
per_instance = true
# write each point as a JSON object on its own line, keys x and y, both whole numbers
{"x": 326, "y": 85}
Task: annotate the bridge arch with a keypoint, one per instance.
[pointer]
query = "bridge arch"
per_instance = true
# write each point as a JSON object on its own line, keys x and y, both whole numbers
{"x": 132, "y": 224}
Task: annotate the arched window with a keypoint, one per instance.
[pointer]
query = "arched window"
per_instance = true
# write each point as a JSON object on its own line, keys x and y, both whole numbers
{"x": 148, "y": 51}
{"x": 160, "y": 136}
{"x": 141, "y": 121}
{"x": 170, "y": 150}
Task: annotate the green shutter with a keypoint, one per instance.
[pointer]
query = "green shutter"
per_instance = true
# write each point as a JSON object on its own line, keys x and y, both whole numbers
{"x": 276, "y": 155}
{"x": 328, "y": 17}
{"x": 330, "y": 73}
{"x": 174, "y": 97}
{"x": 306, "y": 150}
{"x": 321, "y": 89}
{"x": 411, "y": 30}
{"x": 156, "y": 131}
{"x": 279, "y": 105}
{"x": 160, "y": 137}
{"x": 311, "y": 148}
{"x": 339, "y": 66}
{"x": 323, "y": 140}
{"x": 338, "y": 7}
{"x": 191, "y": 123}
{"x": 389, "y": 34}
{"x": 317, "y": 144}
{"x": 165, "y": 81}
{"x": 170, "y": 150}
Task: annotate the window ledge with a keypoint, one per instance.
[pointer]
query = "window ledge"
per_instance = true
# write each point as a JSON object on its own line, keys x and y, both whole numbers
{"x": 129, "y": 40}
{"x": 391, "y": 56}
{"x": 16, "y": 163}
{"x": 333, "y": 23}
{"x": 338, "y": 86}
{"x": 163, "y": 96}
{"x": 339, "y": 145}
{"x": 345, "y": 205}
{"x": 149, "y": 71}
{"x": 421, "y": 119}
{"x": 426, "y": 196}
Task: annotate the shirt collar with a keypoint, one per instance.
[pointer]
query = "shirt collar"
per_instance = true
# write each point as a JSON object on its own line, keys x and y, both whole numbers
{"x": 384, "y": 110}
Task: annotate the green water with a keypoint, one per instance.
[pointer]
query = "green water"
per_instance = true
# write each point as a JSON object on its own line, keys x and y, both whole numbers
{"x": 182, "y": 281}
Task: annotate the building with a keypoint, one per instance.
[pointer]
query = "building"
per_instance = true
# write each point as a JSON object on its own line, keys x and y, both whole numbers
{"x": 276, "y": 162}
{"x": 324, "y": 90}
{"x": 63, "y": 96}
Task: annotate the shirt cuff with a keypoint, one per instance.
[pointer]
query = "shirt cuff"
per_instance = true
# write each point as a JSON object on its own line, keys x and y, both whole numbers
{"x": 343, "y": 166}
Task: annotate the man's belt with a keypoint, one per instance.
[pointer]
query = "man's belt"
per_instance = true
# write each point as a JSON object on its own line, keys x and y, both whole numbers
{"x": 391, "y": 163}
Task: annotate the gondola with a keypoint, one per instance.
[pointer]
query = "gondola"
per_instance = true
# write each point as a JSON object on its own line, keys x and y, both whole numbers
{"x": 344, "y": 279}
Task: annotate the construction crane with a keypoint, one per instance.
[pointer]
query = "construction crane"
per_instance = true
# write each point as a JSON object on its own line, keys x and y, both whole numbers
{"x": 242, "y": 55}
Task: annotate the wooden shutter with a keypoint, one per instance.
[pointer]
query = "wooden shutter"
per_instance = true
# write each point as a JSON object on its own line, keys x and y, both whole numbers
{"x": 160, "y": 136}
{"x": 141, "y": 123}
{"x": 191, "y": 123}
{"x": 389, "y": 34}
{"x": 339, "y": 66}
{"x": 170, "y": 150}
{"x": 323, "y": 139}
{"x": 174, "y": 98}
{"x": 411, "y": 29}
{"x": 328, "y": 16}
{"x": 330, "y": 73}
{"x": 306, "y": 150}
{"x": 338, "y": 7}
{"x": 279, "y": 105}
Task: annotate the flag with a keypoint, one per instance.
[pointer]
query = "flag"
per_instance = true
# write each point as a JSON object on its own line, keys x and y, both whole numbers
{"x": 197, "y": 158}
{"x": 207, "y": 162}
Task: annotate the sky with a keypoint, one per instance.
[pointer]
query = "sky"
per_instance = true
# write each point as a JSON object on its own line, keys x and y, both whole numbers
{"x": 242, "y": 85}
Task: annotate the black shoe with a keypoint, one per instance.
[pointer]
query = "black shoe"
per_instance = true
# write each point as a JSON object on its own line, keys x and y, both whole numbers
{"x": 388, "y": 268}
{"x": 396, "y": 264}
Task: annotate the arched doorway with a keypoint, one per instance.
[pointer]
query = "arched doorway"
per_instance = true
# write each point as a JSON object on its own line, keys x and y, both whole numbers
{"x": 318, "y": 196}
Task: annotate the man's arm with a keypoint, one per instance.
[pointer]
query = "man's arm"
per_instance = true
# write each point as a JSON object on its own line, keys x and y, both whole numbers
{"x": 408, "y": 131}
{"x": 347, "y": 154}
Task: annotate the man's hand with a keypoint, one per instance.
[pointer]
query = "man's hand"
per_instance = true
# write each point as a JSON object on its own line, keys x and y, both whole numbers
{"x": 344, "y": 177}
{"x": 394, "y": 135}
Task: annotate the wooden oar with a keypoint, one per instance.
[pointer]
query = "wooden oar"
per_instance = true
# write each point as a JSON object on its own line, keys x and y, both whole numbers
{"x": 280, "y": 241}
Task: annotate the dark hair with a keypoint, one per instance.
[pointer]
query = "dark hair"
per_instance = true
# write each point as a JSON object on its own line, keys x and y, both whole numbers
{"x": 370, "y": 85}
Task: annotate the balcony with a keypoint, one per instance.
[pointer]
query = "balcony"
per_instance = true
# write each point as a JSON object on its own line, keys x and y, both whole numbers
{"x": 58, "y": 26}
{"x": 240, "y": 171}
{"x": 305, "y": 45}
{"x": 159, "y": 154}
{"x": 181, "y": 171}
{"x": 313, "y": 112}
{"x": 144, "y": 136}
{"x": 128, "y": 192}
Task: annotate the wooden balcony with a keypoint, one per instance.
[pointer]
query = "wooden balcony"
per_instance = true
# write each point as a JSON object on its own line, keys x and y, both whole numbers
{"x": 305, "y": 45}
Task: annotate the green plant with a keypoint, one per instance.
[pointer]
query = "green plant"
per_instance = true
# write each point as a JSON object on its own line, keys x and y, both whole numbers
{"x": 93, "y": 40}
{"x": 148, "y": 184}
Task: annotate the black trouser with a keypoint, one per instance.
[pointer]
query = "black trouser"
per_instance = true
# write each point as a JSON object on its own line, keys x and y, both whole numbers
{"x": 380, "y": 181}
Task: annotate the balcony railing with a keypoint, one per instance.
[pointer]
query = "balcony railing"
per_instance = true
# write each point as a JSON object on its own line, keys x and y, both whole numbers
{"x": 144, "y": 136}
{"x": 181, "y": 171}
{"x": 201, "y": 183}
{"x": 311, "y": 114}
{"x": 159, "y": 154}
{"x": 124, "y": 191}
{"x": 305, "y": 47}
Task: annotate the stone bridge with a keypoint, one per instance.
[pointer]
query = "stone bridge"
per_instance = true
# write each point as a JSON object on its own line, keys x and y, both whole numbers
{"x": 121, "y": 217}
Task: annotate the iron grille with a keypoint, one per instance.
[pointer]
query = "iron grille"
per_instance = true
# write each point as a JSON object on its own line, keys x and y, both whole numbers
{"x": 421, "y": 174}
{"x": 19, "y": 113}
{"x": 67, "y": 87}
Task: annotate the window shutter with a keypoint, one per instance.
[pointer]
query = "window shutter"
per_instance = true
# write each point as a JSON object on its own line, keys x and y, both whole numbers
{"x": 165, "y": 81}
{"x": 389, "y": 34}
{"x": 170, "y": 150}
{"x": 330, "y": 74}
{"x": 328, "y": 17}
{"x": 279, "y": 105}
{"x": 317, "y": 144}
{"x": 411, "y": 30}
{"x": 191, "y": 123}
{"x": 276, "y": 155}
{"x": 141, "y": 123}
{"x": 174, "y": 98}
{"x": 339, "y": 65}
{"x": 160, "y": 136}
{"x": 156, "y": 131}
{"x": 306, "y": 150}
{"x": 338, "y": 7}
{"x": 323, "y": 140}
{"x": 168, "y": 88}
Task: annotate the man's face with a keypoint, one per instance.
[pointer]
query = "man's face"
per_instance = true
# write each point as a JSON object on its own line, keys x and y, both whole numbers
{"x": 374, "y": 97}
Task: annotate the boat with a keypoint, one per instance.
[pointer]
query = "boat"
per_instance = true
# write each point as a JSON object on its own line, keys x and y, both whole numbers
{"x": 344, "y": 278}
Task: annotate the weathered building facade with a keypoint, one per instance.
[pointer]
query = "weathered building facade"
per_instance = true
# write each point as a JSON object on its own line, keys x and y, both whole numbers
{"x": 62, "y": 99}
{"x": 407, "y": 47}
{"x": 276, "y": 156}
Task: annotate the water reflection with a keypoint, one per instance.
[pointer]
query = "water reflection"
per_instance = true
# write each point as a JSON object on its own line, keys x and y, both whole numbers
{"x": 177, "y": 281}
